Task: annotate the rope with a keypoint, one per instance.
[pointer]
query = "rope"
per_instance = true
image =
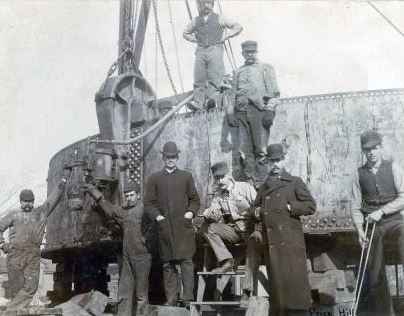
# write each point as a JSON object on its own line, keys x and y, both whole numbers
{"x": 170, "y": 78}
{"x": 386, "y": 18}
{"x": 175, "y": 45}
{"x": 188, "y": 9}
{"x": 228, "y": 40}
{"x": 151, "y": 129}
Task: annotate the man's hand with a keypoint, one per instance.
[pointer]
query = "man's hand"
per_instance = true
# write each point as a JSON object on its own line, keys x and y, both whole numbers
{"x": 375, "y": 216}
{"x": 160, "y": 218}
{"x": 268, "y": 119}
{"x": 6, "y": 247}
{"x": 232, "y": 120}
{"x": 256, "y": 236}
{"x": 189, "y": 215}
{"x": 242, "y": 100}
{"x": 66, "y": 172}
{"x": 257, "y": 213}
{"x": 363, "y": 241}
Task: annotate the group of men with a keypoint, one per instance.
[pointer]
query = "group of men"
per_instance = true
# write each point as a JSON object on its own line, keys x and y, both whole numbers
{"x": 255, "y": 93}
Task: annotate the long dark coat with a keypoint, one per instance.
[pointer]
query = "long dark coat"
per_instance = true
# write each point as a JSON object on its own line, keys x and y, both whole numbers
{"x": 172, "y": 195}
{"x": 283, "y": 233}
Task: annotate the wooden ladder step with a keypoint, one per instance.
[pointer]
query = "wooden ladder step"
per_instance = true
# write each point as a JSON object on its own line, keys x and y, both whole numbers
{"x": 218, "y": 303}
{"x": 225, "y": 273}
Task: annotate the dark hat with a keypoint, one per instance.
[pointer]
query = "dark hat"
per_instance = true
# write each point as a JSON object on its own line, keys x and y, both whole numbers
{"x": 170, "y": 149}
{"x": 220, "y": 169}
{"x": 27, "y": 195}
{"x": 249, "y": 45}
{"x": 275, "y": 151}
{"x": 370, "y": 138}
{"x": 131, "y": 186}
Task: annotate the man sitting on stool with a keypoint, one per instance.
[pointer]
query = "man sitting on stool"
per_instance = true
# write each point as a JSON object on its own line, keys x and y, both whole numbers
{"x": 226, "y": 218}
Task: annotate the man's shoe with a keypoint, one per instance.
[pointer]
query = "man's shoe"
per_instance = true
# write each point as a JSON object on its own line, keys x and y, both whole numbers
{"x": 226, "y": 266}
{"x": 245, "y": 299}
{"x": 211, "y": 104}
{"x": 171, "y": 303}
{"x": 193, "y": 106}
{"x": 186, "y": 304}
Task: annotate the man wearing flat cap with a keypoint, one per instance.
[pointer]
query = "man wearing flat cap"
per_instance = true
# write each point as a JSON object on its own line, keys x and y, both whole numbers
{"x": 378, "y": 197}
{"x": 172, "y": 200}
{"x": 255, "y": 97}
{"x": 26, "y": 230}
{"x": 282, "y": 199}
{"x": 226, "y": 220}
{"x": 136, "y": 258}
{"x": 209, "y": 30}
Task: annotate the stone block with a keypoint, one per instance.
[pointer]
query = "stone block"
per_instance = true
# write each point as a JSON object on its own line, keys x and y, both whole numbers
{"x": 94, "y": 303}
{"x": 330, "y": 296}
{"x": 329, "y": 279}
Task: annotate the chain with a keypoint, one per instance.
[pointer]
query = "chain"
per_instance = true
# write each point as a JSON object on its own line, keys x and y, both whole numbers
{"x": 116, "y": 62}
{"x": 170, "y": 78}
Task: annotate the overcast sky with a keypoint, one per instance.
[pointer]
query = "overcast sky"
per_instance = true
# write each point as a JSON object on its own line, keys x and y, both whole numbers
{"x": 55, "y": 54}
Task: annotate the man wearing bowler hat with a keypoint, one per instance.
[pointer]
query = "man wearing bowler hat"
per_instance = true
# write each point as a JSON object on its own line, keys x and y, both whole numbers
{"x": 255, "y": 97}
{"x": 227, "y": 220}
{"x": 136, "y": 258}
{"x": 172, "y": 201}
{"x": 26, "y": 230}
{"x": 282, "y": 199}
{"x": 378, "y": 197}
{"x": 209, "y": 30}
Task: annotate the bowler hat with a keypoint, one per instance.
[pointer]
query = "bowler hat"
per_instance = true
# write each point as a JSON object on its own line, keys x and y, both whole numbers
{"x": 170, "y": 149}
{"x": 220, "y": 169}
{"x": 27, "y": 195}
{"x": 275, "y": 151}
{"x": 249, "y": 45}
{"x": 370, "y": 138}
{"x": 131, "y": 186}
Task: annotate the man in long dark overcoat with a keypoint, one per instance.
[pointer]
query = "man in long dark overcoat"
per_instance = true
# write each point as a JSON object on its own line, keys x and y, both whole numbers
{"x": 283, "y": 198}
{"x": 172, "y": 200}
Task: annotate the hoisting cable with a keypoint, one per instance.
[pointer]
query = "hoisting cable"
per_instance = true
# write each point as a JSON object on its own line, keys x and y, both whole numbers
{"x": 228, "y": 40}
{"x": 386, "y": 18}
{"x": 170, "y": 78}
{"x": 188, "y": 9}
{"x": 149, "y": 130}
{"x": 175, "y": 44}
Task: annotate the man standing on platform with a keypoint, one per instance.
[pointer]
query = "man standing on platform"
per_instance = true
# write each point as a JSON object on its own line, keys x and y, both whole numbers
{"x": 255, "y": 97}
{"x": 209, "y": 30}
{"x": 282, "y": 199}
{"x": 172, "y": 201}
{"x": 27, "y": 228}
{"x": 227, "y": 218}
{"x": 378, "y": 197}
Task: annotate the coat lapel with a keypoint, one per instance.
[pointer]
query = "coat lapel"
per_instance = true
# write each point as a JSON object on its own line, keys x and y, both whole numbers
{"x": 273, "y": 184}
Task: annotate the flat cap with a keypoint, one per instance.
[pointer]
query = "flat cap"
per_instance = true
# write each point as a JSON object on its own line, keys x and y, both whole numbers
{"x": 249, "y": 45}
{"x": 275, "y": 151}
{"x": 170, "y": 149}
{"x": 220, "y": 169}
{"x": 370, "y": 138}
{"x": 131, "y": 186}
{"x": 27, "y": 195}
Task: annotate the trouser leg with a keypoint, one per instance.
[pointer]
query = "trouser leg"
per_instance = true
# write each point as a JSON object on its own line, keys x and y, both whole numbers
{"x": 31, "y": 279}
{"x": 170, "y": 278}
{"x": 187, "y": 272}
{"x": 142, "y": 268}
{"x": 200, "y": 76}
{"x": 259, "y": 134}
{"x": 15, "y": 269}
{"x": 125, "y": 288}
{"x": 375, "y": 297}
{"x": 246, "y": 148}
{"x": 216, "y": 234}
{"x": 253, "y": 260}
{"x": 215, "y": 71}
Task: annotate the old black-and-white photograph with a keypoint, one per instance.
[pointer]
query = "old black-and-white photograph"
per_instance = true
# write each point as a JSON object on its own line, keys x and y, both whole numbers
{"x": 202, "y": 157}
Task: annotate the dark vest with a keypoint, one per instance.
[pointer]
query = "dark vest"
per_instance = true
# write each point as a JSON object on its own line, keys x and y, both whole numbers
{"x": 209, "y": 33}
{"x": 377, "y": 189}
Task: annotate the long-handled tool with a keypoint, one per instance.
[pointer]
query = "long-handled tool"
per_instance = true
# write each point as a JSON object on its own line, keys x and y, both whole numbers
{"x": 362, "y": 270}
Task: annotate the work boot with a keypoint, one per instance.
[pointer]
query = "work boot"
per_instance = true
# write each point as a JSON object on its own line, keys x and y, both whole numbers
{"x": 193, "y": 106}
{"x": 171, "y": 303}
{"x": 245, "y": 299}
{"x": 186, "y": 304}
{"x": 225, "y": 267}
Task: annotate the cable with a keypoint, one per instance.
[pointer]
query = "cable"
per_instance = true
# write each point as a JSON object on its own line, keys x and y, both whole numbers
{"x": 386, "y": 18}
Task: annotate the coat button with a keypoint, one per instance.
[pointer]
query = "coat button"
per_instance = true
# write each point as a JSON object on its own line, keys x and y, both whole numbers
{"x": 282, "y": 244}
{"x": 278, "y": 211}
{"x": 267, "y": 198}
{"x": 272, "y": 246}
{"x": 280, "y": 226}
{"x": 278, "y": 195}
{"x": 269, "y": 229}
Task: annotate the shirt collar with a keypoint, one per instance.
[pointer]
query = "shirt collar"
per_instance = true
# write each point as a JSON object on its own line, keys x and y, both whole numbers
{"x": 170, "y": 170}
{"x": 375, "y": 167}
